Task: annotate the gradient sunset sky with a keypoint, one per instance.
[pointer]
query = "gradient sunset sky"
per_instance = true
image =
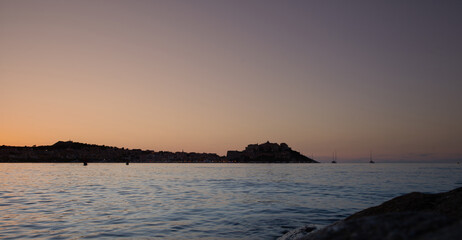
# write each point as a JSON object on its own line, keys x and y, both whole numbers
{"x": 211, "y": 76}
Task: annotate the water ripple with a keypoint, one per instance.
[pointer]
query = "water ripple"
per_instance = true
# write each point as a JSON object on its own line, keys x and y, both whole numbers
{"x": 197, "y": 201}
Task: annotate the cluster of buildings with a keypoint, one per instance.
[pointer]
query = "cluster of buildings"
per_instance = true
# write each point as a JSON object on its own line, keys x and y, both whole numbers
{"x": 268, "y": 152}
{"x": 80, "y": 152}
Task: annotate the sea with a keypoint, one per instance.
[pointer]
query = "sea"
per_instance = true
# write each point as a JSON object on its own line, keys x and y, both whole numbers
{"x": 198, "y": 201}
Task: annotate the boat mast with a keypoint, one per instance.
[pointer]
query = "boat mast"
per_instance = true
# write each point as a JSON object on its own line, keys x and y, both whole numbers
{"x": 334, "y": 157}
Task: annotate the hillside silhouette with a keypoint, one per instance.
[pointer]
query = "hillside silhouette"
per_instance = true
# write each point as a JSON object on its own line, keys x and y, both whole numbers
{"x": 69, "y": 151}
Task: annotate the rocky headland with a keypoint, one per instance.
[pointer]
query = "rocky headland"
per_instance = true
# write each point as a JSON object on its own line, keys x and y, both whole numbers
{"x": 411, "y": 216}
{"x": 268, "y": 152}
{"x": 68, "y": 151}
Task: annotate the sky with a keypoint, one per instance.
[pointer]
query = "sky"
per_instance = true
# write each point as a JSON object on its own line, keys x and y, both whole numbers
{"x": 209, "y": 76}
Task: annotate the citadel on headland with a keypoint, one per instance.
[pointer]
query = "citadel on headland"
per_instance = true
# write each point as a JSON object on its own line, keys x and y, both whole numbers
{"x": 80, "y": 152}
{"x": 268, "y": 152}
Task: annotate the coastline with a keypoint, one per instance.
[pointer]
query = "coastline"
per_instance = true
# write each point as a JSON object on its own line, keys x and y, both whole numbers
{"x": 74, "y": 152}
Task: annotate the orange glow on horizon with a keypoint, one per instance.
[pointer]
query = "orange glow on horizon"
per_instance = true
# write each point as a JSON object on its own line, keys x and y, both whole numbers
{"x": 215, "y": 77}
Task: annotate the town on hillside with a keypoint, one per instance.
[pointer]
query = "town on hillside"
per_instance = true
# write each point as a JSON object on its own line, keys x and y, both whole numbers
{"x": 81, "y": 152}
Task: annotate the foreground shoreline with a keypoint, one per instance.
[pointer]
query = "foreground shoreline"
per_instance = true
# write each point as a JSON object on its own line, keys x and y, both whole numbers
{"x": 411, "y": 216}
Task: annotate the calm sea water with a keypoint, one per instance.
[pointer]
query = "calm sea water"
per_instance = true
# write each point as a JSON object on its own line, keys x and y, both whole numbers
{"x": 198, "y": 201}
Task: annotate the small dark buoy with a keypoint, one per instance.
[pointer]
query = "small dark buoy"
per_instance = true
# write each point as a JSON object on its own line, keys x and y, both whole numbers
{"x": 85, "y": 163}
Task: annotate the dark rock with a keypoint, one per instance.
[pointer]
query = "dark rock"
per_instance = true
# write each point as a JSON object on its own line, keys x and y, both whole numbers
{"x": 411, "y": 216}
{"x": 448, "y": 203}
{"x": 389, "y": 226}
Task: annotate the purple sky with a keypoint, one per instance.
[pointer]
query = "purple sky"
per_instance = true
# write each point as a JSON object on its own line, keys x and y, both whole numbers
{"x": 211, "y": 76}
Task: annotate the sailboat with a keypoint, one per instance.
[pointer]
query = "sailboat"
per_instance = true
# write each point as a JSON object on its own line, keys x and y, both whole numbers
{"x": 370, "y": 161}
{"x": 334, "y": 157}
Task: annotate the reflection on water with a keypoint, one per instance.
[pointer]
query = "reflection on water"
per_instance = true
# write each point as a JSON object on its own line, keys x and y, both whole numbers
{"x": 194, "y": 201}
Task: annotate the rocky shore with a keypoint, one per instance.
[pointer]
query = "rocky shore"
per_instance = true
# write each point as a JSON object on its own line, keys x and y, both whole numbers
{"x": 411, "y": 216}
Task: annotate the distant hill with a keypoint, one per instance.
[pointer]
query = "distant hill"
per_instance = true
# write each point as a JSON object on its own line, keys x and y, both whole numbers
{"x": 68, "y": 151}
{"x": 81, "y": 152}
{"x": 75, "y": 145}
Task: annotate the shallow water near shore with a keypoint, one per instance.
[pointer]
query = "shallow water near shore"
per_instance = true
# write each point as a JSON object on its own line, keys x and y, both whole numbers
{"x": 198, "y": 201}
